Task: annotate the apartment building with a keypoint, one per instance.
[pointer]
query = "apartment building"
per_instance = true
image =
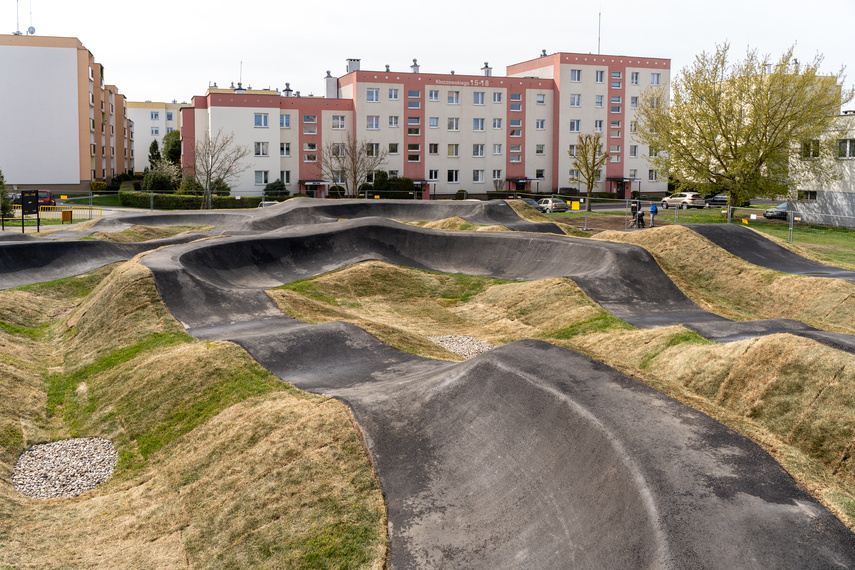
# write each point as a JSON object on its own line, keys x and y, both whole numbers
{"x": 447, "y": 132}
{"x": 63, "y": 125}
{"x": 152, "y": 121}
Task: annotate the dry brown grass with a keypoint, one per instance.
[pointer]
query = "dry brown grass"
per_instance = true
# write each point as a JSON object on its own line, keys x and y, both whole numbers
{"x": 729, "y": 286}
{"x": 221, "y": 464}
{"x": 147, "y": 233}
{"x": 529, "y": 214}
{"x": 457, "y": 223}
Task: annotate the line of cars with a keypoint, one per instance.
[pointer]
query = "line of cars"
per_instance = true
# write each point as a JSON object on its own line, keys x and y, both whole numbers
{"x": 45, "y": 198}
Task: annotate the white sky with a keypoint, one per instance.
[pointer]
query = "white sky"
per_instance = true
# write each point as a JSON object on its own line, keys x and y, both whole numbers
{"x": 163, "y": 50}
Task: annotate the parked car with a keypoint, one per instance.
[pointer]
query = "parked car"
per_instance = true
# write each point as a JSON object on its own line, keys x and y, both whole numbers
{"x": 724, "y": 200}
{"x": 549, "y": 205}
{"x": 530, "y": 202}
{"x": 46, "y": 198}
{"x": 779, "y": 212}
{"x": 267, "y": 204}
{"x": 16, "y": 198}
{"x": 684, "y": 200}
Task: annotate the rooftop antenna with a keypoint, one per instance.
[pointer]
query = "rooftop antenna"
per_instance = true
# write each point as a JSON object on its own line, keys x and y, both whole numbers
{"x": 240, "y": 75}
{"x": 31, "y": 30}
{"x": 599, "y": 28}
{"x": 17, "y": 18}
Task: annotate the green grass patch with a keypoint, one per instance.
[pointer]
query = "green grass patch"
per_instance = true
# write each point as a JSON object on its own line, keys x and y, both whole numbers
{"x": 602, "y": 322}
{"x": 34, "y": 333}
{"x": 682, "y": 337}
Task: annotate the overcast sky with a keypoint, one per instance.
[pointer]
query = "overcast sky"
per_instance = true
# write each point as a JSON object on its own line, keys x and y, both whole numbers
{"x": 163, "y": 50}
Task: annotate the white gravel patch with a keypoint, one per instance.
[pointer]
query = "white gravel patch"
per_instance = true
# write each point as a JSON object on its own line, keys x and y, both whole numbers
{"x": 64, "y": 468}
{"x": 465, "y": 346}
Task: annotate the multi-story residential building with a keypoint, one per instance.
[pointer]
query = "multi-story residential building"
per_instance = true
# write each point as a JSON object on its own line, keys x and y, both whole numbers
{"x": 447, "y": 132}
{"x": 152, "y": 121}
{"x": 62, "y": 125}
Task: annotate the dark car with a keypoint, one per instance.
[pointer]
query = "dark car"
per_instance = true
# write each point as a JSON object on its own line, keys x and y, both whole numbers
{"x": 724, "y": 200}
{"x": 530, "y": 202}
{"x": 46, "y": 198}
{"x": 779, "y": 212}
{"x": 16, "y": 198}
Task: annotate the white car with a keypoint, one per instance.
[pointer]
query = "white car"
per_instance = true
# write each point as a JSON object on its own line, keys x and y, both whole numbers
{"x": 549, "y": 205}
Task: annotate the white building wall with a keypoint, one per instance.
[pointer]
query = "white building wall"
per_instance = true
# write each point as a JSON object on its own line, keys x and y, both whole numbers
{"x": 147, "y": 117}
{"x": 40, "y": 138}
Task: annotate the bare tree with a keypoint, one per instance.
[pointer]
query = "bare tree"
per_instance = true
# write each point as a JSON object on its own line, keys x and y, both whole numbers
{"x": 588, "y": 161}
{"x": 349, "y": 162}
{"x": 218, "y": 158}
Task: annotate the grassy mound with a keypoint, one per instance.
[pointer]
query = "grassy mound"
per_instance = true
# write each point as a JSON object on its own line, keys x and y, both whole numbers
{"x": 147, "y": 233}
{"x": 457, "y": 223}
{"x": 529, "y": 214}
{"x": 221, "y": 464}
{"x": 729, "y": 286}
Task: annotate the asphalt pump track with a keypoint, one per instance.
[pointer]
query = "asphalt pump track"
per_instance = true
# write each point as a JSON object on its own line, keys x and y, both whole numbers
{"x": 528, "y": 456}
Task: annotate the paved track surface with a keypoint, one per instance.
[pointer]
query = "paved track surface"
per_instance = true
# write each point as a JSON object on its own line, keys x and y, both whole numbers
{"x": 529, "y": 456}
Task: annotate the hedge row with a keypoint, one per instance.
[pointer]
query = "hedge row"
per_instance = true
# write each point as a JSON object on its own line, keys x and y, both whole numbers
{"x": 185, "y": 201}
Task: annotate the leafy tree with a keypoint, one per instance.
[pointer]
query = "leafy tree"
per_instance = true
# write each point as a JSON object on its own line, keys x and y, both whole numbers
{"x": 734, "y": 127}
{"x": 191, "y": 186}
{"x": 218, "y": 159}
{"x": 162, "y": 176}
{"x": 276, "y": 188}
{"x": 220, "y": 187}
{"x": 5, "y": 200}
{"x": 349, "y": 162}
{"x": 588, "y": 162}
{"x": 153, "y": 152}
{"x": 172, "y": 147}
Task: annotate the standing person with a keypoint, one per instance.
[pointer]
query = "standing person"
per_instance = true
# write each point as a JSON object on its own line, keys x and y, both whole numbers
{"x": 633, "y": 212}
{"x": 654, "y": 209}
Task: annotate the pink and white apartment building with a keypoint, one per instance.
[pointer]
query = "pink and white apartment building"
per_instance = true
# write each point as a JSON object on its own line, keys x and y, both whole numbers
{"x": 447, "y": 132}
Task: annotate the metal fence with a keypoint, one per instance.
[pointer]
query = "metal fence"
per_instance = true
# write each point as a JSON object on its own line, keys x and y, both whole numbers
{"x": 63, "y": 213}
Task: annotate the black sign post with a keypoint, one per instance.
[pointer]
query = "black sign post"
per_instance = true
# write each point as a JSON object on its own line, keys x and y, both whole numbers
{"x": 30, "y": 205}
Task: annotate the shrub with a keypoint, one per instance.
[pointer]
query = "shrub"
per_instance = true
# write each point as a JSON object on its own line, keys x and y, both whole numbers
{"x": 461, "y": 194}
{"x": 185, "y": 201}
{"x": 157, "y": 181}
{"x": 220, "y": 188}
{"x": 190, "y": 186}
{"x": 98, "y": 186}
{"x": 137, "y": 186}
{"x": 276, "y": 188}
{"x": 336, "y": 191}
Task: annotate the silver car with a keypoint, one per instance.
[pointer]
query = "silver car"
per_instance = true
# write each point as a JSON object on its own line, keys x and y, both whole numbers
{"x": 549, "y": 205}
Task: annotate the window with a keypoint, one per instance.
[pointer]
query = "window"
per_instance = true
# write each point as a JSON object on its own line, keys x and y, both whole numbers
{"x": 598, "y": 101}
{"x": 516, "y": 158}
{"x": 497, "y": 96}
{"x": 654, "y": 102}
{"x": 516, "y": 132}
{"x": 414, "y": 121}
{"x": 433, "y": 122}
{"x": 393, "y": 174}
{"x": 285, "y": 176}
{"x": 414, "y": 158}
{"x": 846, "y": 148}
{"x": 633, "y": 126}
{"x": 284, "y": 149}
{"x": 433, "y": 148}
{"x": 497, "y": 123}
{"x": 573, "y": 175}
{"x": 372, "y": 95}
{"x": 393, "y": 94}
{"x": 477, "y": 124}
{"x": 414, "y": 94}
{"x": 575, "y": 99}
{"x": 654, "y": 78}
{"x": 810, "y": 149}
{"x": 478, "y": 98}
{"x": 261, "y": 177}
{"x": 261, "y": 149}
{"x": 155, "y": 131}
{"x": 616, "y": 99}
{"x": 454, "y": 150}
{"x": 540, "y": 149}
{"x": 453, "y": 124}
{"x": 369, "y": 178}
{"x": 497, "y": 174}
{"x": 633, "y": 78}
{"x": 575, "y": 125}
{"x": 454, "y": 97}
{"x": 653, "y": 175}
{"x": 168, "y": 129}
{"x": 652, "y": 152}
{"x": 393, "y": 148}
{"x": 372, "y": 149}
{"x": 633, "y": 151}
{"x": 338, "y": 122}
{"x": 310, "y": 130}
{"x": 338, "y": 150}
{"x": 453, "y": 176}
{"x": 598, "y": 126}
{"x": 497, "y": 149}
{"x": 599, "y": 76}
{"x": 516, "y": 97}
{"x": 616, "y": 84}
{"x": 373, "y": 122}
{"x": 572, "y": 150}
{"x": 633, "y": 102}
{"x": 516, "y": 123}
{"x": 516, "y": 106}
{"x": 414, "y": 147}
{"x": 478, "y": 176}
{"x": 433, "y": 174}
{"x": 155, "y": 115}
{"x": 575, "y": 75}
{"x": 168, "y": 113}
{"x": 541, "y": 98}
{"x": 478, "y": 150}
{"x": 393, "y": 122}
{"x": 540, "y": 124}
{"x": 310, "y": 119}
{"x": 433, "y": 95}
{"x": 633, "y": 173}
{"x": 338, "y": 177}
{"x": 310, "y": 157}
{"x": 285, "y": 121}
{"x": 516, "y": 148}
{"x": 539, "y": 173}
{"x": 414, "y": 104}
{"x": 617, "y": 75}
{"x": 260, "y": 120}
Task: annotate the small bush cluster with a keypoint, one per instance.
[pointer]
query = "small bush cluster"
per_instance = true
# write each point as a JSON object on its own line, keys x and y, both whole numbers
{"x": 185, "y": 201}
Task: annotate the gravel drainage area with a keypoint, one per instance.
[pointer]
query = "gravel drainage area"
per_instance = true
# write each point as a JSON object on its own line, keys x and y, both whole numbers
{"x": 64, "y": 468}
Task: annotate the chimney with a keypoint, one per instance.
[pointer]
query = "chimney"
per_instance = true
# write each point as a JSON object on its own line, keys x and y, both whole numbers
{"x": 387, "y": 68}
{"x": 331, "y": 84}
{"x": 415, "y": 66}
{"x": 543, "y": 53}
{"x": 287, "y": 90}
{"x": 352, "y": 65}
{"x": 487, "y": 70}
